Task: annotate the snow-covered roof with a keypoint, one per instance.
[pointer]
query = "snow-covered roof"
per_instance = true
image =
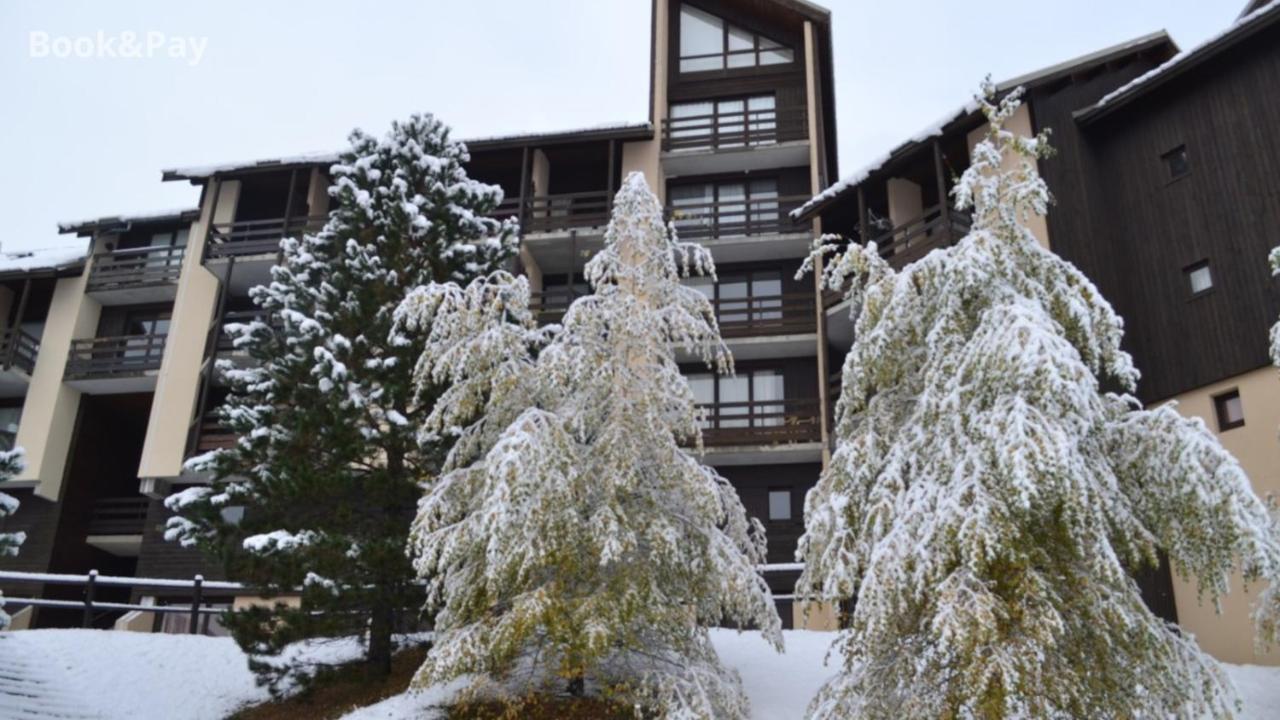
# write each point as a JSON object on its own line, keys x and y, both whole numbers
{"x": 1260, "y": 16}
{"x": 617, "y": 130}
{"x": 969, "y": 110}
{"x": 52, "y": 258}
{"x": 86, "y": 227}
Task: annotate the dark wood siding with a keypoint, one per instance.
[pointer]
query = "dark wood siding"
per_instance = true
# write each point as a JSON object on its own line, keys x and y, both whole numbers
{"x": 1134, "y": 230}
{"x": 162, "y": 559}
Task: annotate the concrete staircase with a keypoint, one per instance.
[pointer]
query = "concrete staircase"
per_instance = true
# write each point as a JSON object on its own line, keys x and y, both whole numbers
{"x": 29, "y": 686}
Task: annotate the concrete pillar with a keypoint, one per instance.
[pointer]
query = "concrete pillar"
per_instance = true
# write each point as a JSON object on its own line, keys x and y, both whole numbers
{"x": 177, "y": 386}
{"x": 531, "y": 269}
{"x": 49, "y": 411}
{"x": 541, "y": 174}
{"x": 317, "y": 193}
{"x": 645, "y": 156}
{"x": 1020, "y": 124}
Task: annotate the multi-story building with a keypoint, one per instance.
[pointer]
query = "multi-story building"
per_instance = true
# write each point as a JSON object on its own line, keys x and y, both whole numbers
{"x": 108, "y": 368}
{"x": 1167, "y": 198}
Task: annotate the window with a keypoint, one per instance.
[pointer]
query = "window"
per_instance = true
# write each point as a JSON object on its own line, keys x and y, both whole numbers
{"x": 726, "y": 123}
{"x": 779, "y": 505}
{"x": 709, "y": 43}
{"x": 739, "y": 207}
{"x": 749, "y": 399}
{"x": 9, "y": 418}
{"x": 1177, "y": 163}
{"x": 1230, "y": 410}
{"x": 1199, "y": 277}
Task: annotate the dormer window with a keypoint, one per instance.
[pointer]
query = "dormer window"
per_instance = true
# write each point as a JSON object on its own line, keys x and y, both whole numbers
{"x": 709, "y": 43}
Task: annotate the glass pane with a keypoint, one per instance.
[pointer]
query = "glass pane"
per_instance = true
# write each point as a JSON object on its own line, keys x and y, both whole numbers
{"x": 715, "y": 62}
{"x": 776, "y": 57}
{"x": 1201, "y": 279}
{"x": 763, "y": 119}
{"x": 766, "y": 291}
{"x": 734, "y": 394}
{"x": 702, "y": 284}
{"x": 704, "y": 388}
{"x": 733, "y": 301}
{"x": 181, "y": 239}
{"x": 729, "y": 119}
{"x": 764, "y": 205}
{"x": 9, "y": 418}
{"x": 700, "y": 33}
{"x": 160, "y": 239}
{"x": 731, "y": 212}
{"x": 779, "y": 504}
{"x": 768, "y": 385}
{"x": 691, "y": 121}
{"x": 691, "y": 208}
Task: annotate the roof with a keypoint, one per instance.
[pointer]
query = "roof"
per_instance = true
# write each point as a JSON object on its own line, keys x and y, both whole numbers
{"x": 968, "y": 112}
{"x": 606, "y": 131}
{"x": 120, "y": 223}
{"x": 53, "y": 260}
{"x": 1259, "y": 16}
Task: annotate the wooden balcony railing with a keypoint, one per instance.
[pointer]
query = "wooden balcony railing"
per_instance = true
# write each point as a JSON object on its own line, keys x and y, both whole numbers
{"x": 550, "y": 305}
{"x": 257, "y": 237}
{"x": 19, "y": 349}
{"x": 549, "y": 213}
{"x": 748, "y": 128}
{"x": 135, "y": 267}
{"x": 914, "y": 239}
{"x": 765, "y": 315}
{"x": 721, "y": 218}
{"x": 226, "y": 343}
{"x": 115, "y": 356}
{"x": 761, "y": 422}
{"x": 118, "y": 516}
{"x": 213, "y": 435}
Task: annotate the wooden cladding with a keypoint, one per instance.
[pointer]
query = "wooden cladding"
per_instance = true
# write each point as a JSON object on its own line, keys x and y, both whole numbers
{"x": 115, "y": 356}
{"x": 257, "y": 237}
{"x": 118, "y": 516}
{"x": 135, "y": 267}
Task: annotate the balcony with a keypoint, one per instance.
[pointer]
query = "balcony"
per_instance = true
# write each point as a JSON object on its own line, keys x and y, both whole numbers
{"x": 211, "y": 434}
{"x": 18, "y": 350}
{"x": 915, "y": 238}
{"x": 550, "y": 306}
{"x": 249, "y": 238}
{"x": 116, "y": 524}
{"x": 135, "y": 275}
{"x": 791, "y": 314}
{"x": 762, "y": 431}
{"x": 111, "y": 365}
{"x": 733, "y": 141}
{"x": 742, "y": 229}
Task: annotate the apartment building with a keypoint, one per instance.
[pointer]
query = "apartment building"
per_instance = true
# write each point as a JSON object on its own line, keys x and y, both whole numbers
{"x": 110, "y": 382}
{"x": 1167, "y": 198}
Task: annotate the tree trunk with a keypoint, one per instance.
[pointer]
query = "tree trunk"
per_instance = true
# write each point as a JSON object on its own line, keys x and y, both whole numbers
{"x": 380, "y": 626}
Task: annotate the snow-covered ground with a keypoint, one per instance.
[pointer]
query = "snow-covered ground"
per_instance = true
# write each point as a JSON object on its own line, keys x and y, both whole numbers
{"x": 84, "y": 674}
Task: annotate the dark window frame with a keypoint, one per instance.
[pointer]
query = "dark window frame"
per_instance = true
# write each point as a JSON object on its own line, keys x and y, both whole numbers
{"x": 791, "y": 504}
{"x": 1168, "y": 159}
{"x": 1188, "y": 270}
{"x": 1220, "y": 401}
{"x": 725, "y": 53}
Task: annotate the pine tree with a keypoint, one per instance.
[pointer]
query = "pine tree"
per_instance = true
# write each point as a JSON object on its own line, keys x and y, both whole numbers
{"x": 572, "y": 542}
{"x": 1274, "y": 258}
{"x": 10, "y": 465}
{"x": 327, "y": 463}
{"x": 988, "y": 499}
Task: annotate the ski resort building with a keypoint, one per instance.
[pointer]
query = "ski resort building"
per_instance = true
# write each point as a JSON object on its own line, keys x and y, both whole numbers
{"x": 1166, "y": 198}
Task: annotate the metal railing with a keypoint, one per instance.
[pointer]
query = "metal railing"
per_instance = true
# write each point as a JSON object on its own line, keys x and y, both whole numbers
{"x": 740, "y": 216}
{"x": 936, "y": 227}
{"x": 93, "y": 608}
{"x": 257, "y": 237}
{"x": 547, "y": 213}
{"x": 761, "y": 422}
{"x": 765, "y": 315}
{"x": 19, "y": 349}
{"x": 115, "y": 356}
{"x": 118, "y": 516}
{"x": 135, "y": 267}
{"x": 746, "y": 128}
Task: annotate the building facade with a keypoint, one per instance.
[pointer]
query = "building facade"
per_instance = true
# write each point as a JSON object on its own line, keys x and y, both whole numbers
{"x": 108, "y": 376}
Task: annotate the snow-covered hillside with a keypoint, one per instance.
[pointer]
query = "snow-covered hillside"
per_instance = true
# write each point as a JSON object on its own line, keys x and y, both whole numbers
{"x": 101, "y": 675}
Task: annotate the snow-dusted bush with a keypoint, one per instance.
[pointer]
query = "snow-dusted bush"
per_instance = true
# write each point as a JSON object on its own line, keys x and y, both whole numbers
{"x": 10, "y": 465}
{"x": 572, "y": 542}
{"x": 328, "y": 463}
{"x": 989, "y": 498}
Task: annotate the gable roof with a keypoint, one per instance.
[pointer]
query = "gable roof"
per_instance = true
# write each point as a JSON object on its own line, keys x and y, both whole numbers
{"x": 968, "y": 112}
{"x": 122, "y": 223}
{"x": 1259, "y": 16}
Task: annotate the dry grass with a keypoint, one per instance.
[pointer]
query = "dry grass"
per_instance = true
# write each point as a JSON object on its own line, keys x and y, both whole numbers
{"x": 538, "y": 707}
{"x": 340, "y": 693}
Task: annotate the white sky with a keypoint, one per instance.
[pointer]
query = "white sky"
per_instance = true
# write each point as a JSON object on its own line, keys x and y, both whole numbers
{"x": 84, "y": 138}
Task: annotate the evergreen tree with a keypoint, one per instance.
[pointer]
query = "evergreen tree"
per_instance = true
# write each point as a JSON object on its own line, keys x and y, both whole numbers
{"x": 10, "y": 465}
{"x": 327, "y": 463}
{"x": 988, "y": 499}
{"x": 572, "y": 542}
{"x": 1275, "y": 329}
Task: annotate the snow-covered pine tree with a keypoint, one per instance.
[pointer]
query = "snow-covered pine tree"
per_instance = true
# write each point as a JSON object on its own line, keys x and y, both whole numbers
{"x": 572, "y": 542}
{"x": 1275, "y": 329}
{"x": 328, "y": 465}
{"x": 988, "y": 499}
{"x": 10, "y": 465}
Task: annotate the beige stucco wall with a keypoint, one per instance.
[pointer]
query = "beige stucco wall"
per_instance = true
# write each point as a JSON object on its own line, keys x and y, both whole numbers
{"x": 1229, "y": 636}
{"x": 645, "y": 156}
{"x": 1021, "y": 124}
{"x": 317, "y": 193}
{"x": 178, "y": 382}
{"x": 814, "y": 616}
{"x": 49, "y": 412}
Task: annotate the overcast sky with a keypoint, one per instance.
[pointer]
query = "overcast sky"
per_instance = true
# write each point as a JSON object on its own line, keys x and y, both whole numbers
{"x": 87, "y": 137}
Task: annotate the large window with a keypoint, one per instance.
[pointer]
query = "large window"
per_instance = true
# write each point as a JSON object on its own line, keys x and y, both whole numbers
{"x": 740, "y": 401}
{"x": 743, "y": 297}
{"x": 737, "y": 207}
{"x": 709, "y": 43}
{"x": 731, "y": 122}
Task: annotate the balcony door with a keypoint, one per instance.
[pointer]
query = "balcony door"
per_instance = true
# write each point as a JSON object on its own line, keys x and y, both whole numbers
{"x": 726, "y": 123}
{"x": 144, "y": 330}
{"x": 743, "y": 297}
{"x": 734, "y": 207}
{"x": 749, "y": 399}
